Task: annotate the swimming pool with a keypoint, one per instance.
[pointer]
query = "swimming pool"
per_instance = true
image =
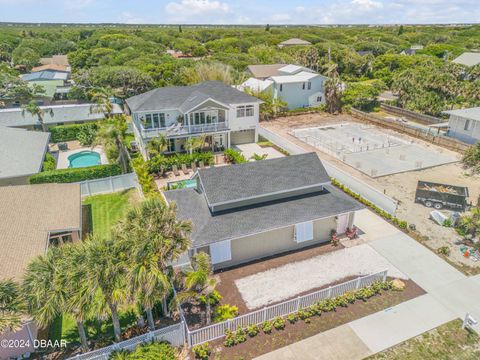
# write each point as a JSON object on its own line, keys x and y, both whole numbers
{"x": 182, "y": 184}
{"x": 84, "y": 159}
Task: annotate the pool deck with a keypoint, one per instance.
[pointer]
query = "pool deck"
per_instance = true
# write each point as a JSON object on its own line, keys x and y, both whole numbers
{"x": 63, "y": 163}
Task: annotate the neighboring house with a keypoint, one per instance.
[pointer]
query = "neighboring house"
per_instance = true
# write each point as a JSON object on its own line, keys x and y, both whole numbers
{"x": 225, "y": 115}
{"x": 51, "y": 67}
{"x": 32, "y": 218}
{"x": 54, "y": 115}
{"x": 298, "y": 86}
{"x": 464, "y": 124}
{"x": 416, "y": 47}
{"x": 468, "y": 59}
{"x": 46, "y": 75}
{"x": 294, "y": 42}
{"x": 408, "y": 52}
{"x": 22, "y": 153}
{"x": 250, "y": 211}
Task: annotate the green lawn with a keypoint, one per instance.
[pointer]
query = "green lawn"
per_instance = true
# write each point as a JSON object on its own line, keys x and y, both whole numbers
{"x": 107, "y": 209}
{"x": 447, "y": 342}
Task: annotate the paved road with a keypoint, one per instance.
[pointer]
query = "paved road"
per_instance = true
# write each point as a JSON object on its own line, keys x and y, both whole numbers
{"x": 450, "y": 295}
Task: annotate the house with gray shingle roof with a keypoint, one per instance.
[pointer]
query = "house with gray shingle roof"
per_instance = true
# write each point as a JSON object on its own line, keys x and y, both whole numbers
{"x": 258, "y": 209}
{"x": 22, "y": 153}
{"x": 468, "y": 59}
{"x": 464, "y": 124}
{"x": 226, "y": 116}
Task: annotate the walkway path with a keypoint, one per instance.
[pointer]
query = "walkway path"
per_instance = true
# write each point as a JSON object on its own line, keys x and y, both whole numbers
{"x": 450, "y": 295}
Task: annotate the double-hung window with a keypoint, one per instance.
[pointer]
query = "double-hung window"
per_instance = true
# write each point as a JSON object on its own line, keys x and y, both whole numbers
{"x": 245, "y": 111}
{"x": 467, "y": 126}
{"x": 309, "y": 85}
{"x": 304, "y": 231}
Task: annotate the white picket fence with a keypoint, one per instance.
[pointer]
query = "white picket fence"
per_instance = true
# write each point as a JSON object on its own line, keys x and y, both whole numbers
{"x": 376, "y": 197}
{"x": 285, "y": 308}
{"x": 109, "y": 184}
{"x": 174, "y": 334}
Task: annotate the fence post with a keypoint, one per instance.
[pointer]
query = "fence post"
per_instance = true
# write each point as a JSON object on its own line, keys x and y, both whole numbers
{"x": 88, "y": 188}
{"x": 187, "y": 335}
{"x": 329, "y": 292}
{"x": 357, "y": 285}
{"x": 298, "y": 303}
{"x": 385, "y": 275}
{"x": 264, "y": 314}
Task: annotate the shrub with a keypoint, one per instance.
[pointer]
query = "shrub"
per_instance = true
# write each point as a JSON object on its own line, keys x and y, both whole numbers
{"x": 292, "y": 318}
{"x": 201, "y": 351}
{"x": 444, "y": 250}
{"x": 304, "y": 314}
{"x": 327, "y": 305}
{"x": 156, "y": 350}
{"x": 229, "y": 338}
{"x": 350, "y": 297}
{"x": 341, "y": 301}
{"x": 240, "y": 336}
{"x": 215, "y": 298}
{"x": 267, "y": 327}
{"x": 75, "y": 174}
{"x": 144, "y": 178}
{"x": 448, "y": 222}
{"x": 49, "y": 163}
{"x": 279, "y": 323}
{"x": 252, "y": 330}
{"x": 234, "y": 156}
{"x": 161, "y": 163}
{"x": 234, "y": 337}
{"x": 224, "y": 312}
{"x": 78, "y": 132}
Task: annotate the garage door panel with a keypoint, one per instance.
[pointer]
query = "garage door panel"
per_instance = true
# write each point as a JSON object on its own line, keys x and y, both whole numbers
{"x": 242, "y": 137}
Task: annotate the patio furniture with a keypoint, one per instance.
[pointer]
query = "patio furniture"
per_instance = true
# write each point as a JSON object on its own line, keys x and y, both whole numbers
{"x": 201, "y": 164}
{"x": 175, "y": 170}
{"x": 184, "y": 169}
{"x": 62, "y": 146}
{"x": 194, "y": 166}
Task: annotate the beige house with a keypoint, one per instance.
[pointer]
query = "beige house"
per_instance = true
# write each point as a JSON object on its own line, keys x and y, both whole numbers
{"x": 250, "y": 211}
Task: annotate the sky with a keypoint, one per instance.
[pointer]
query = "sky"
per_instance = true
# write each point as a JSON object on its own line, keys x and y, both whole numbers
{"x": 241, "y": 11}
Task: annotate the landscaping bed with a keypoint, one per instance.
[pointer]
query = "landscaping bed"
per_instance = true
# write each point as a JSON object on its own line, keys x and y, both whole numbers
{"x": 263, "y": 343}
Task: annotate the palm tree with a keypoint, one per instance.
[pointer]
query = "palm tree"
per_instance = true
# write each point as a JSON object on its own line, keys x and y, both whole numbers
{"x": 33, "y": 109}
{"x": 12, "y": 306}
{"x": 333, "y": 90}
{"x": 100, "y": 98}
{"x": 152, "y": 239}
{"x": 194, "y": 143}
{"x": 111, "y": 133}
{"x": 199, "y": 282}
{"x": 157, "y": 145}
{"x": 271, "y": 106}
{"x": 54, "y": 286}
{"x": 105, "y": 274}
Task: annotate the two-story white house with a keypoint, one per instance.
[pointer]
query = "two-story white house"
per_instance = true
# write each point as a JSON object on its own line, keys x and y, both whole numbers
{"x": 464, "y": 124}
{"x": 225, "y": 115}
{"x": 298, "y": 86}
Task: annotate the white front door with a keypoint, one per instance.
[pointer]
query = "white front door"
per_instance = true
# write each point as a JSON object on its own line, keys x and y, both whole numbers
{"x": 342, "y": 223}
{"x": 220, "y": 252}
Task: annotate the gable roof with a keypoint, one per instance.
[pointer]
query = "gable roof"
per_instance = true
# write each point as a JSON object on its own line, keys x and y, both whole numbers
{"x": 468, "y": 59}
{"x": 53, "y": 114}
{"x": 299, "y": 77}
{"x": 22, "y": 152}
{"x": 53, "y": 67}
{"x": 50, "y": 86}
{"x": 256, "y": 84}
{"x": 186, "y": 97}
{"x": 27, "y": 214}
{"x": 265, "y": 71}
{"x": 261, "y": 179}
{"x": 470, "y": 113}
{"x": 295, "y": 41}
{"x": 45, "y": 75}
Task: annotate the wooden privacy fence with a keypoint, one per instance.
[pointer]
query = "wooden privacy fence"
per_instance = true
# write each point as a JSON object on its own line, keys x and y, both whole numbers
{"x": 422, "y": 118}
{"x": 174, "y": 334}
{"x": 285, "y": 308}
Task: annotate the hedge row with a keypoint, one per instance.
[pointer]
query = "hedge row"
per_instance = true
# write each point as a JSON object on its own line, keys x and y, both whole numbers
{"x": 165, "y": 163}
{"x": 76, "y": 175}
{"x": 70, "y": 132}
{"x": 234, "y": 156}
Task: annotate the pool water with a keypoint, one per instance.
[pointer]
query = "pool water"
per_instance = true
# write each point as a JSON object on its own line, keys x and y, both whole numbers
{"x": 84, "y": 159}
{"x": 182, "y": 184}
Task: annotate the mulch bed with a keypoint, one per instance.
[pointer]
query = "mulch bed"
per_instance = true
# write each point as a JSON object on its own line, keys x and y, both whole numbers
{"x": 263, "y": 343}
{"x": 228, "y": 289}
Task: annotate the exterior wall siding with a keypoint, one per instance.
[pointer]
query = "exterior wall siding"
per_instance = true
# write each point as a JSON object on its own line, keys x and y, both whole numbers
{"x": 457, "y": 129}
{"x": 294, "y": 94}
{"x": 274, "y": 242}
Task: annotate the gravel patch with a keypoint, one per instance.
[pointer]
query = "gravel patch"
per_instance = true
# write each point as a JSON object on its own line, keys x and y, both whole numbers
{"x": 289, "y": 280}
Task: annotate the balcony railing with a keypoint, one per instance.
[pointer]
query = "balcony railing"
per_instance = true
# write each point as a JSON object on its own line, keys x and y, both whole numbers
{"x": 178, "y": 129}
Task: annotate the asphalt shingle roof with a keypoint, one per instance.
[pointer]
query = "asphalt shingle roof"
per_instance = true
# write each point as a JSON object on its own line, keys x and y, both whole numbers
{"x": 22, "y": 152}
{"x": 27, "y": 214}
{"x": 470, "y": 113}
{"x": 174, "y": 97}
{"x": 258, "y": 178}
{"x": 45, "y": 75}
{"x": 468, "y": 59}
{"x": 209, "y": 228}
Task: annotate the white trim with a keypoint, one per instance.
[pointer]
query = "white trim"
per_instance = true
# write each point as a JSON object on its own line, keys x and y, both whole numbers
{"x": 203, "y": 102}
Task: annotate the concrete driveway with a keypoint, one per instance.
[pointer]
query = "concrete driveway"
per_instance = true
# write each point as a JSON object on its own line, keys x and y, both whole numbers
{"x": 249, "y": 149}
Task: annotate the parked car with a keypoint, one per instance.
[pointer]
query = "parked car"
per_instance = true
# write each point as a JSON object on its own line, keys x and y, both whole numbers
{"x": 441, "y": 196}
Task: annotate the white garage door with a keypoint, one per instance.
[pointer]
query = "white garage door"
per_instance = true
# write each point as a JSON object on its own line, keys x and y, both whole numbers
{"x": 242, "y": 137}
{"x": 220, "y": 252}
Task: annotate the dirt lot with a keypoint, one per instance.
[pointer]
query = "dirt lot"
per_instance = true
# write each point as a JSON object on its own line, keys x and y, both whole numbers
{"x": 400, "y": 186}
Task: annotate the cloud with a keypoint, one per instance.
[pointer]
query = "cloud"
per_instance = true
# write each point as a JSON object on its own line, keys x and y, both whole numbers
{"x": 280, "y": 18}
{"x": 129, "y": 18}
{"x": 367, "y": 4}
{"x": 199, "y": 11}
{"x": 78, "y": 4}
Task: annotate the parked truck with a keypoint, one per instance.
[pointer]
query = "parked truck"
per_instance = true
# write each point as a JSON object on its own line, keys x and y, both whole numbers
{"x": 441, "y": 196}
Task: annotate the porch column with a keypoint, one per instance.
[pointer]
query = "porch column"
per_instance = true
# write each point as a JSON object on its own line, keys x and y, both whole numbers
{"x": 228, "y": 140}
